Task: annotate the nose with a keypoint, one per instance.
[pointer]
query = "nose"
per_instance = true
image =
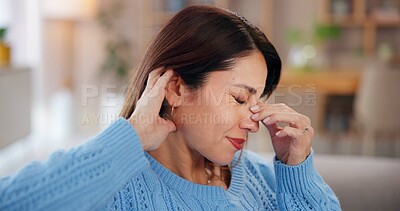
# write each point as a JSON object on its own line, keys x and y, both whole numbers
{"x": 247, "y": 123}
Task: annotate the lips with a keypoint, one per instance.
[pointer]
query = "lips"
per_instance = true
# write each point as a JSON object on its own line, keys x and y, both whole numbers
{"x": 237, "y": 142}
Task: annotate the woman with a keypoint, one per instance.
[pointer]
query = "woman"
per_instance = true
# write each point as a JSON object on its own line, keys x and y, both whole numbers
{"x": 200, "y": 89}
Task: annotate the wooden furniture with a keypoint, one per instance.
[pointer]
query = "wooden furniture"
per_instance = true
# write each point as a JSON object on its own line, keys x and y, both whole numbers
{"x": 307, "y": 92}
{"x": 360, "y": 14}
{"x": 15, "y": 104}
{"x": 326, "y": 81}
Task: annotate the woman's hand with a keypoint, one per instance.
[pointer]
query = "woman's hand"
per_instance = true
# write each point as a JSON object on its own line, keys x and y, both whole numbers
{"x": 151, "y": 128}
{"x": 292, "y": 143}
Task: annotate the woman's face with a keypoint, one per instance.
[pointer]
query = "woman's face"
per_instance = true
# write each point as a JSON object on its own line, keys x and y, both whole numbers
{"x": 215, "y": 122}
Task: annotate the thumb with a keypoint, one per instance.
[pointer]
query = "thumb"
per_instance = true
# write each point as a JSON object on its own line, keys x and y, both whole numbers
{"x": 169, "y": 124}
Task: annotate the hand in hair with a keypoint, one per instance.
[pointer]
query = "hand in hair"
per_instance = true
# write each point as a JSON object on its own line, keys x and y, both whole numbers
{"x": 292, "y": 143}
{"x": 151, "y": 128}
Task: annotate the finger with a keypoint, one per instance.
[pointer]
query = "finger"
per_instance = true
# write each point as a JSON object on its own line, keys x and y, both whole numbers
{"x": 293, "y": 119}
{"x": 163, "y": 80}
{"x": 153, "y": 76}
{"x": 275, "y": 106}
{"x": 262, "y": 111}
{"x": 272, "y": 129}
{"x": 280, "y": 106}
{"x": 294, "y": 133}
{"x": 157, "y": 93}
{"x": 152, "y": 79}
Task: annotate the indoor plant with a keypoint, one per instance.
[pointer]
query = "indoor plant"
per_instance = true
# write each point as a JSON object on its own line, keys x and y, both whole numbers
{"x": 4, "y": 48}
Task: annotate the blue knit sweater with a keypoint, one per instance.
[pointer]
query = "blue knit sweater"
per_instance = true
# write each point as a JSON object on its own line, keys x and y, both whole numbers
{"x": 112, "y": 172}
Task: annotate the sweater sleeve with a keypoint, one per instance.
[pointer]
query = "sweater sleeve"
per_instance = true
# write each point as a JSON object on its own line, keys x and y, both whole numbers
{"x": 83, "y": 178}
{"x": 301, "y": 187}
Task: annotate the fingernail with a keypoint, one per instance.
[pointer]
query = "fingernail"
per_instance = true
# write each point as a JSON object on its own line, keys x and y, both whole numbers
{"x": 254, "y": 116}
{"x": 254, "y": 108}
{"x": 266, "y": 119}
{"x": 277, "y": 133}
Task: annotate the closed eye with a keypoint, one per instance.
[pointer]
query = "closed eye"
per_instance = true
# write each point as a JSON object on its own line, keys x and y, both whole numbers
{"x": 238, "y": 100}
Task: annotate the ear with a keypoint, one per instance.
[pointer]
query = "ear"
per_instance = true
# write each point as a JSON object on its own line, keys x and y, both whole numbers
{"x": 174, "y": 91}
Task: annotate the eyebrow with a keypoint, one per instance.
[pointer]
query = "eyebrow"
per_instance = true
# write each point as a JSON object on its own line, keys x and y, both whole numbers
{"x": 250, "y": 89}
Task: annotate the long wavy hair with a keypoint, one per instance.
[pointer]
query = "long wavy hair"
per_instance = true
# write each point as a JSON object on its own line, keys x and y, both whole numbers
{"x": 197, "y": 41}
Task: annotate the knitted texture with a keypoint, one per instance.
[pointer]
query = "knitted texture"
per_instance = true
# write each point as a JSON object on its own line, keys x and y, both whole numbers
{"x": 112, "y": 172}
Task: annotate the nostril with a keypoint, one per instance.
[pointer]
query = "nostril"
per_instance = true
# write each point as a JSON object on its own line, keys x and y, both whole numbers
{"x": 256, "y": 127}
{"x": 248, "y": 124}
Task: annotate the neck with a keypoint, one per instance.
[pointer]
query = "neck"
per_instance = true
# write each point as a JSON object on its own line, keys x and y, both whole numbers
{"x": 175, "y": 155}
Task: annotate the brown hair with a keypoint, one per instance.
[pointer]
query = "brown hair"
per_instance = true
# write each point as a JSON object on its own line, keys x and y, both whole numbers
{"x": 197, "y": 41}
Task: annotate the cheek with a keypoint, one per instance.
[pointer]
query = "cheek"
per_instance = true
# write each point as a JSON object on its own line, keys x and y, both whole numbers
{"x": 209, "y": 119}
{"x": 206, "y": 126}
{"x": 207, "y": 136}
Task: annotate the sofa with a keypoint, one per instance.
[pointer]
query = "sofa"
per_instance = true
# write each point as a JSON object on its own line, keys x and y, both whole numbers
{"x": 360, "y": 183}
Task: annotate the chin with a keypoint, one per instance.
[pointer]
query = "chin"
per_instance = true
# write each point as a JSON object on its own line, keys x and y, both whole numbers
{"x": 224, "y": 160}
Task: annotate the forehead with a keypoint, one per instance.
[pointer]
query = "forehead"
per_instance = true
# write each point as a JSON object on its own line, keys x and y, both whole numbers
{"x": 250, "y": 71}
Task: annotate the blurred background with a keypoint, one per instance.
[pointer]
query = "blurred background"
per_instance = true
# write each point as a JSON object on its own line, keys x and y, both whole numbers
{"x": 64, "y": 65}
